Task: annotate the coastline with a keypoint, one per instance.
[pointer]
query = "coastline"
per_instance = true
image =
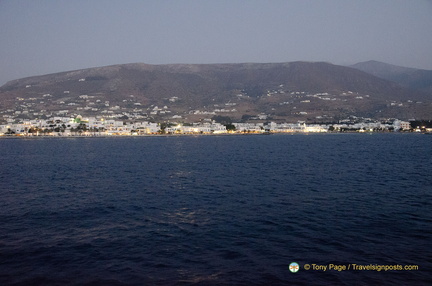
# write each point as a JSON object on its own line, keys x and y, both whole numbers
{"x": 195, "y": 135}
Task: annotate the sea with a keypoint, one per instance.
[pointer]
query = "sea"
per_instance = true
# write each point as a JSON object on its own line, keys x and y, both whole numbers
{"x": 349, "y": 209}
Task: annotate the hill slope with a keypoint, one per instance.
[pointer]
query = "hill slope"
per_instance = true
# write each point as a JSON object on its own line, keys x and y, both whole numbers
{"x": 409, "y": 77}
{"x": 277, "y": 91}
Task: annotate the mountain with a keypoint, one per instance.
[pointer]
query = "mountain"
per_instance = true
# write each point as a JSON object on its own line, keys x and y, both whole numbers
{"x": 417, "y": 79}
{"x": 308, "y": 91}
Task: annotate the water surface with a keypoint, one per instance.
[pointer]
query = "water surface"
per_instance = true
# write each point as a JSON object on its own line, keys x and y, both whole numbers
{"x": 215, "y": 210}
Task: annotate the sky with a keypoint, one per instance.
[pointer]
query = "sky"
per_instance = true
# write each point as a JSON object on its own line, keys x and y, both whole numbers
{"x": 47, "y": 36}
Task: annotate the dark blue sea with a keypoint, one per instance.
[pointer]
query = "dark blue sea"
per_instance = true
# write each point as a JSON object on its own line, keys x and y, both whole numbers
{"x": 215, "y": 210}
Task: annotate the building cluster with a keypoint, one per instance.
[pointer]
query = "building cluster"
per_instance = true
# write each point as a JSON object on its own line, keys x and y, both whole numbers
{"x": 92, "y": 126}
{"x": 277, "y": 103}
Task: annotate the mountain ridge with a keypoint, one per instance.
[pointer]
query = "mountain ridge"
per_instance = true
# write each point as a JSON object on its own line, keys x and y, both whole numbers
{"x": 283, "y": 91}
{"x": 417, "y": 79}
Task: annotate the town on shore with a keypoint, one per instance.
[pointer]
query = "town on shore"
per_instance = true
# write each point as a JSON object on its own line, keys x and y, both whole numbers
{"x": 93, "y": 126}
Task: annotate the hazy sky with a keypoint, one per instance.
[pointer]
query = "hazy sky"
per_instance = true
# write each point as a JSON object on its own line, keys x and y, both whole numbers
{"x": 46, "y": 36}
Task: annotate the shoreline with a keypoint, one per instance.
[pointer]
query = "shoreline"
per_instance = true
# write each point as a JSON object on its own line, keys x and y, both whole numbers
{"x": 193, "y": 135}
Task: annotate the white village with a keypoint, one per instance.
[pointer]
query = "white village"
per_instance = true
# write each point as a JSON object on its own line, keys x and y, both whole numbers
{"x": 94, "y": 126}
